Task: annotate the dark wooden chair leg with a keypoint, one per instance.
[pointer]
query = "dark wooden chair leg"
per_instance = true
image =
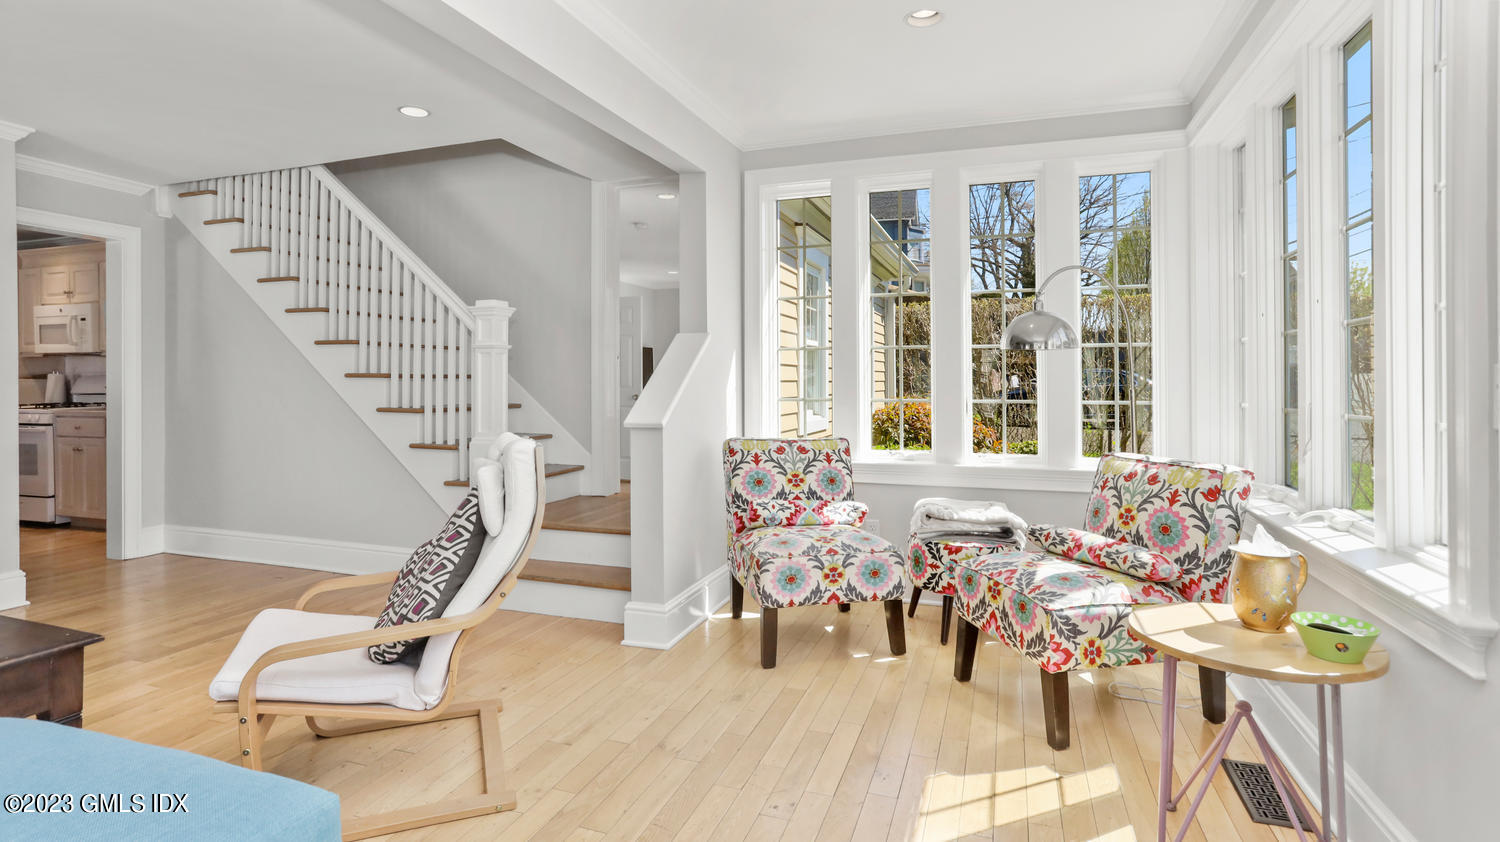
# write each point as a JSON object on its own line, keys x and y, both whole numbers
{"x": 963, "y": 652}
{"x": 895, "y": 626}
{"x": 1211, "y": 687}
{"x": 947, "y": 619}
{"x": 767, "y": 637}
{"x": 736, "y": 597}
{"x": 1055, "y": 705}
{"x": 916, "y": 594}
{"x": 844, "y": 608}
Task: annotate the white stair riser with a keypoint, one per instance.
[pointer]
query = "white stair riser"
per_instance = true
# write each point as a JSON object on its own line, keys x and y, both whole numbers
{"x": 583, "y": 547}
{"x": 568, "y": 601}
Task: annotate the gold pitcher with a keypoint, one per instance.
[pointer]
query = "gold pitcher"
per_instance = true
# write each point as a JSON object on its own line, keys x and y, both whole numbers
{"x": 1266, "y": 587}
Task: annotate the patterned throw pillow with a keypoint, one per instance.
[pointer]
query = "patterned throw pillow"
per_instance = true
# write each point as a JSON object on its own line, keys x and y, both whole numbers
{"x": 1111, "y": 554}
{"x": 430, "y": 579}
{"x": 760, "y": 515}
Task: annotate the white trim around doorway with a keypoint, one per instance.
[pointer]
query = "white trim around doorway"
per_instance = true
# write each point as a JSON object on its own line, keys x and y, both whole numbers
{"x": 127, "y": 536}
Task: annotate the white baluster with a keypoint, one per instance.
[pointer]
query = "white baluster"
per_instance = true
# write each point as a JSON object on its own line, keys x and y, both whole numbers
{"x": 304, "y": 259}
{"x": 464, "y": 340}
{"x": 341, "y": 291}
{"x": 325, "y": 275}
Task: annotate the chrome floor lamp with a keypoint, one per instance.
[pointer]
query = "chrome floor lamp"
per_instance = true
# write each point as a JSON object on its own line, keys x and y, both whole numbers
{"x": 1041, "y": 330}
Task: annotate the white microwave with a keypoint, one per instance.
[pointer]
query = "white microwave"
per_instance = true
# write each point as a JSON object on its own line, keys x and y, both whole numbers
{"x": 66, "y": 328}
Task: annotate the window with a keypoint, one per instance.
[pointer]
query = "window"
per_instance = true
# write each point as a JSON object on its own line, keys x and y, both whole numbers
{"x": 1002, "y": 285}
{"x": 1114, "y": 216}
{"x": 804, "y": 316}
{"x": 1359, "y": 273}
{"x": 900, "y": 320}
{"x": 1289, "y": 292}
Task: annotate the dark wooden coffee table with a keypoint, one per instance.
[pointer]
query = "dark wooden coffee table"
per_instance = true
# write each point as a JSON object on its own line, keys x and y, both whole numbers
{"x": 41, "y": 670}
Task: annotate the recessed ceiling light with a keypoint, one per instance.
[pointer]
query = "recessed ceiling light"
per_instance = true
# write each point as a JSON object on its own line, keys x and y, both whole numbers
{"x": 924, "y": 17}
{"x": 413, "y": 111}
{"x": 671, "y": 271}
{"x": 666, "y": 195}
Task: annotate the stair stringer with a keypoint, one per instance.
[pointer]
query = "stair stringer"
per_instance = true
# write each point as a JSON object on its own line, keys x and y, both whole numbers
{"x": 430, "y": 468}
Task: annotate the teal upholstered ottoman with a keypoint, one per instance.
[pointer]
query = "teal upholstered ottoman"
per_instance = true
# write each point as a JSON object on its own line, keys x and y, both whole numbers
{"x": 59, "y": 782}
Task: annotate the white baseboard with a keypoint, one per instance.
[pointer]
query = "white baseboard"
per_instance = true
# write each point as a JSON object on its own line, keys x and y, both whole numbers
{"x": 12, "y": 589}
{"x": 283, "y": 550}
{"x": 151, "y": 540}
{"x": 655, "y": 625}
{"x": 1294, "y": 738}
{"x": 556, "y": 600}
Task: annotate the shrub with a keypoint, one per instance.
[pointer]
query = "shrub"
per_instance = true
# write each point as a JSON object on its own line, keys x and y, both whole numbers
{"x": 887, "y": 422}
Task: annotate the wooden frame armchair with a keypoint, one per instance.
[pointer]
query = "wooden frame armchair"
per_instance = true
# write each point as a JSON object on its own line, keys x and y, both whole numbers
{"x": 256, "y": 715}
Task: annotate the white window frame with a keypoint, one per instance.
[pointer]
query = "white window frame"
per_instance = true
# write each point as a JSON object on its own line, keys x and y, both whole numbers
{"x": 864, "y": 445}
{"x": 1056, "y": 167}
{"x": 1390, "y": 566}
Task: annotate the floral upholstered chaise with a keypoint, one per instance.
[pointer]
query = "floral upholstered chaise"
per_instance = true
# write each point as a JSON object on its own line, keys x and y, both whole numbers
{"x": 794, "y": 536}
{"x": 1159, "y": 531}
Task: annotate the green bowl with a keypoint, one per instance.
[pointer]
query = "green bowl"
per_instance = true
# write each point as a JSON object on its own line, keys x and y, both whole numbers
{"x": 1334, "y": 637}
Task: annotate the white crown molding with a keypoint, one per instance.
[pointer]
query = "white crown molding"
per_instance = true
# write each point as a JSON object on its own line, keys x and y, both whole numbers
{"x": 13, "y": 131}
{"x": 885, "y": 127}
{"x": 1233, "y": 18}
{"x": 68, "y": 172}
{"x": 612, "y": 31}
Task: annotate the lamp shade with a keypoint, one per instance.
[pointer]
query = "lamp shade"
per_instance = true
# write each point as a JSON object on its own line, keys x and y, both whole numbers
{"x": 1039, "y": 330}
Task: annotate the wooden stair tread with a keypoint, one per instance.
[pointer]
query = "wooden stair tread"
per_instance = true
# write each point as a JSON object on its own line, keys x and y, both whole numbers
{"x": 307, "y": 309}
{"x": 535, "y": 436}
{"x": 579, "y": 575}
{"x": 224, "y": 219}
{"x": 378, "y": 375}
{"x": 247, "y": 249}
{"x": 550, "y": 469}
{"x": 277, "y": 279}
{"x": 424, "y": 446}
{"x": 609, "y": 515}
{"x": 335, "y": 341}
{"x": 191, "y": 193}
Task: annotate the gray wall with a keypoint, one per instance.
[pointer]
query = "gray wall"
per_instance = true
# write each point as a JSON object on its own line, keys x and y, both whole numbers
{"x": 494, "y": 221}
{"x": 259, "y": 442}
{"x": 67, "y": 197}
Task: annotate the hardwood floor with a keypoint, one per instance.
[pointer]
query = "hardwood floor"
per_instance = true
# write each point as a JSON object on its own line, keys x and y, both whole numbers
{"x": 841, "y": 741}
{"x": 592, "y": 514}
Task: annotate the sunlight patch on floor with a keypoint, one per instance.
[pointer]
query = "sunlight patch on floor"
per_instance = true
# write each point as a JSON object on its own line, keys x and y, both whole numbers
{"x": 960, "y": 805}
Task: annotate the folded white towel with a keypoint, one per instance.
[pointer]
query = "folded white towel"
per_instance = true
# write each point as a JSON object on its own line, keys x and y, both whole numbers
{"x": 944, "y": 516}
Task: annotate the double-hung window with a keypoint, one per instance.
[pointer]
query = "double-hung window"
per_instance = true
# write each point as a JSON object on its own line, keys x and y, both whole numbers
{"x": 900, "y": 289}
{"x": 1114, "y": 219}
{"x": 1289, "y": 309}
{"x": 1002, "y": 285}
{"x": 1359, "y": 273}
{"x": 804, "y": 315}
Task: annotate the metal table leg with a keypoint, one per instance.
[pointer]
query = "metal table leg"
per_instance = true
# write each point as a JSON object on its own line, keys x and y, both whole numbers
{"x": 1342, "y": 827}
{"x": 1168, "y": 724}
{"x": 1323, "y": 834}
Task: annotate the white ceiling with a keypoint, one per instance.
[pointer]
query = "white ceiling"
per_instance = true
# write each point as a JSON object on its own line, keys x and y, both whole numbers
{"x": 648, "y": 254}
{"x": 780, "y": 72}
{"x": 162, "y": 91}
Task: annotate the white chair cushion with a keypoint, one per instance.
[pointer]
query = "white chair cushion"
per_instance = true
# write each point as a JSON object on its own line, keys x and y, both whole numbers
{"x": 517, "y": 457}
{"x": 489, "y": 481}
{"x": 348, "y": 677}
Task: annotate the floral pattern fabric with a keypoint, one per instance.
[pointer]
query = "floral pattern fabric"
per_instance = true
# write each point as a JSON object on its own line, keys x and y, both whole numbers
{"x": 932, "y": 561}
{"x": 1188, "y": 513}
{"x": 1061, "y": 614}
{"x": 1109, "y": 553}
{"x": 801, "y": 513}
{"x": 788, "y": 566}
{"x": 791, "y": 526}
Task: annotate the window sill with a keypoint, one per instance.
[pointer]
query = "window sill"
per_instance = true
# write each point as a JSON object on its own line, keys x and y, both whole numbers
{"x": 1405, "y": 590}
{"x": 1025, "y": 475}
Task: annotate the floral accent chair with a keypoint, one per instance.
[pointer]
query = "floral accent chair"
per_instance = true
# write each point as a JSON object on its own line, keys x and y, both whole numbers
{"x": 794, "y": 536}
{"x": 1160, "y": 532}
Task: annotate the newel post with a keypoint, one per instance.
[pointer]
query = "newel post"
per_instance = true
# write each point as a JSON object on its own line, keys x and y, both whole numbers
{"x": 491, "y": 391}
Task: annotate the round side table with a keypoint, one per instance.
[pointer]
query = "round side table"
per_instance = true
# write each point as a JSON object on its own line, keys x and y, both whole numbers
{"x": 1210, "y": 635}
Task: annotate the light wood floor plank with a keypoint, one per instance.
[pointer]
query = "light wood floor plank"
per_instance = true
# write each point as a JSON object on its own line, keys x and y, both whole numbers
{"x": 840, "y": 741}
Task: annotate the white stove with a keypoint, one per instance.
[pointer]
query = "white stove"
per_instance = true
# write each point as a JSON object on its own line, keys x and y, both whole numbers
{"x": 38, "y": 481}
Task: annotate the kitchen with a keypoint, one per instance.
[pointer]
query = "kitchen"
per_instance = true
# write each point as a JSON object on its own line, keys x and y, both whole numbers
{"x": 61, "y": 343}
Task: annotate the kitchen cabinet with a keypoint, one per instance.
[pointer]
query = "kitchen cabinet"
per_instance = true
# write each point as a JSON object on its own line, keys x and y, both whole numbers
{"x": 31, "y": 295}
{"x": 76, "y": 283}
{"x": 82, "y": 473}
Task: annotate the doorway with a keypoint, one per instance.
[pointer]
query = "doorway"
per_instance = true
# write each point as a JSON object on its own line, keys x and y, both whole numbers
{"x": 648, "y": 302}
{"x": 117, "y": 369}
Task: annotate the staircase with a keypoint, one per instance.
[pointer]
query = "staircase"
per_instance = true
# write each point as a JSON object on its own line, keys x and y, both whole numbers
{"x": 426, "y": 372}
